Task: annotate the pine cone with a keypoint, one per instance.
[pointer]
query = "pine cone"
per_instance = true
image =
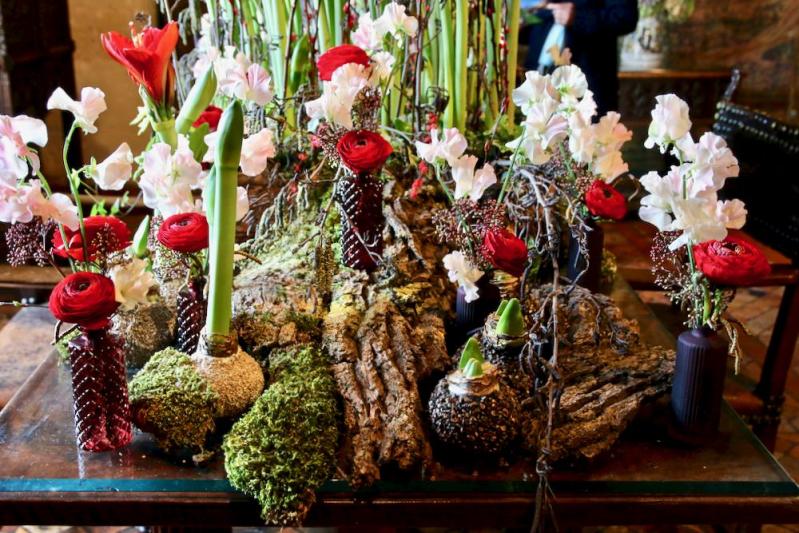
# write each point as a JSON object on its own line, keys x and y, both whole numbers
{"x": 360, "y": 201}
{"x": 191, "y": 316}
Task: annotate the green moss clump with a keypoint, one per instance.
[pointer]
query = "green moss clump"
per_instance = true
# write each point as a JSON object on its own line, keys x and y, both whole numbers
{"x": 173, "y": 402}
{"x": 306, "y": 323}
{"x": 285, "y": 446}
{"x": 62, "y": 346}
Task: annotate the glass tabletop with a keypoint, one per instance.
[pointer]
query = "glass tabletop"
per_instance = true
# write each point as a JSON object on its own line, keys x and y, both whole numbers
{"x": 38, "y": 453}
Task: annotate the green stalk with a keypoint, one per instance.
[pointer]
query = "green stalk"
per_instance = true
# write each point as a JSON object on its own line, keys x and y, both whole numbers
{"x": 448, "y": 61}
{"x": 461, "y": 58}
{"x": 73, "y": 181}
{"x": 323, "y": 28}
{"x": 223, "y": 229}
{"x": 338, "y": 22}
{"x": 513, "y": 52}
{"x": 200, "y": 95}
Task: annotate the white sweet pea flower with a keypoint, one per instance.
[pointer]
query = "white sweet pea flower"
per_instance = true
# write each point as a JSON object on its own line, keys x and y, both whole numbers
{"x": 15, "y": 135}
{"x": 394, "y": 21}
{"x": 255, "y": 150}
{"x": 462, "y": 272}
{"x": 731, "y": 213}
{"x": 22, "y": 203}
{"x": 471, "y": 183}
{"x": 450, "y": 148}
{"x": 242, "y": 203}
{"x": 245, "y": 80}
{"x": 86, "y": 111}
{"x": 382, "y": 64}
{"x": 656, "y": 207}
{"x": 609, "y": 165}
{"x": 338, "y": 96}
{"x": 712, "y": 162}
{"x": 670, "y": 122}
{"x": 610, "y": 133}
{"x": 542, "y": 128}
{"x": 169, "y": 179}
{"x": 115, "y": 170}
{"x": 570, "y": 83}
{"x": 366, "y": 35}
{"x": 535, "y": 89}
{"x": 586, "y": 107}
{"x": 582, "y": 139}
{"x": 698, "y": 221}
{"x": 132, "y": 282}
{"x": 58, "y": 207}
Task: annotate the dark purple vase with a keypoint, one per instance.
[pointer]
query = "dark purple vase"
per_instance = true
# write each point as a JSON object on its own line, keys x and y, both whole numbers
{"x": 698, "y": 384}
{"x": 472, "y": 315}
{"x": 592, "y": 277}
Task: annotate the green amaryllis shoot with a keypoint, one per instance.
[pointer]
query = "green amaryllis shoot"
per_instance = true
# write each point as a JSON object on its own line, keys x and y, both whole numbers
{"x": 139, "y": 244}
{"x": 197, "y": 100}
{"x": 224, "y": 177}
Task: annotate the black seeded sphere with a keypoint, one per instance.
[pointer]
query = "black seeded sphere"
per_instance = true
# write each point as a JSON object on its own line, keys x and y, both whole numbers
{"x": 484, "y": 425}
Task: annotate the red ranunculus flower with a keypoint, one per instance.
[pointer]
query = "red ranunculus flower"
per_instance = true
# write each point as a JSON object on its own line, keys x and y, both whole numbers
{"x": 210, "y": 116}
{"x": 363, "y": 151}
{"x": 184, "y": 232}
{"x": 104, "y": 235}
{"x": 732, "y": 261}
{"x": 338, "y": 56}
{"x": 84, "y": 298}
{"x": 604, "y": 201}
{"x": 505, "y": 251}
{"x": 147, "y": 57}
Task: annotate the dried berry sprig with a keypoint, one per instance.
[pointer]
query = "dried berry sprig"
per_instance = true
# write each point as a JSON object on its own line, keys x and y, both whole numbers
{"x": 27, "y": 242}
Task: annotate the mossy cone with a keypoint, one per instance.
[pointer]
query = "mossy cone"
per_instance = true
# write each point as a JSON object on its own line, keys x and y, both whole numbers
{"x": 172, "y": 401}
{"x": 479, "y": 416}
{"x": 237, "y": 381}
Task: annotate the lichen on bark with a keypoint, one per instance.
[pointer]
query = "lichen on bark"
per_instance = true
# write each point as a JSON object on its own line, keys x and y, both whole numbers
{"x": 284, "y": 447}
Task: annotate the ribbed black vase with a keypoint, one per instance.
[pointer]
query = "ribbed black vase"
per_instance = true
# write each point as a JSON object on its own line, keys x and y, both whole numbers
{"x": 698, "y": 384}
{"x": 577, "y": 261}
{"x": 472, "y": 315}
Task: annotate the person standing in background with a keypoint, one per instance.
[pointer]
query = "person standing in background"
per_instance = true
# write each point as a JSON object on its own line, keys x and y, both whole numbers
{"x": 590, "y": 30}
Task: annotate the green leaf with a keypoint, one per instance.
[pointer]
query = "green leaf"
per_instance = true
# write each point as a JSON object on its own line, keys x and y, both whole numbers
{"x": 501, "y": 307}
{"x": 471, "y": 352}
{"x": 511, "y": 321}
{"x": 474, "y": 369}
{"x": 197, "y": 141}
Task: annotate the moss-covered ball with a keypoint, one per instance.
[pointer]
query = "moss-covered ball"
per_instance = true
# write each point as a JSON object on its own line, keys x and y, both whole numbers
{"x": 475, "y": 415}
{"x": 237, "y": 381}
{"x": 283, "y": 448}
{"x": 172, "y": 401}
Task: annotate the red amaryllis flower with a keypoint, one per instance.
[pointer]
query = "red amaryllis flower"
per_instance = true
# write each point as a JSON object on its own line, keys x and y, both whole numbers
{"x": 146, "y": 56}
{"x": 84, "y": 298}
{"x": 363, "y": 151}
{"x": 604, "y": 201}
{"x": 505, "y": 251}
{"x": 338, "y": 56}
{"x": 184, "y": 232}
{"x": 210, "y": 116}
{"x": 104, "y": 235}
{"x": 732, "y": 261}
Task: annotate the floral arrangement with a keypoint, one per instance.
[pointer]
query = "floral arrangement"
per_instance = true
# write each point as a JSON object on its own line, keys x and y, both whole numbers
{"x": 693, "y": 256}
{"x": 374, "y": 153}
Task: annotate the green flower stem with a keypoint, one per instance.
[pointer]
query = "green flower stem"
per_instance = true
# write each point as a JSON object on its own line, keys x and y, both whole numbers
{"x": 567, "y": 160}
{"x": 49, "y": 191}
{"x": 74, "y": 180}
{"x": 461, "y": 58}
{"x": 166, "y": 132}
{"x": 200, "y": 95}
{"x": 223, "y": 229}
{"x": 448, "y": 61}
{"x": 513, "y": 51}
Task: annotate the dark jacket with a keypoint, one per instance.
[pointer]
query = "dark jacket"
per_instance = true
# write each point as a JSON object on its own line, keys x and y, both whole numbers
{"x": 592, "y": 38}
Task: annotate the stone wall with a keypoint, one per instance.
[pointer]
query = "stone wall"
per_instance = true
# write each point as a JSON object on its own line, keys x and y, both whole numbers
{"x": 761, "y": 37}
{"x": 93, "y": 67}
